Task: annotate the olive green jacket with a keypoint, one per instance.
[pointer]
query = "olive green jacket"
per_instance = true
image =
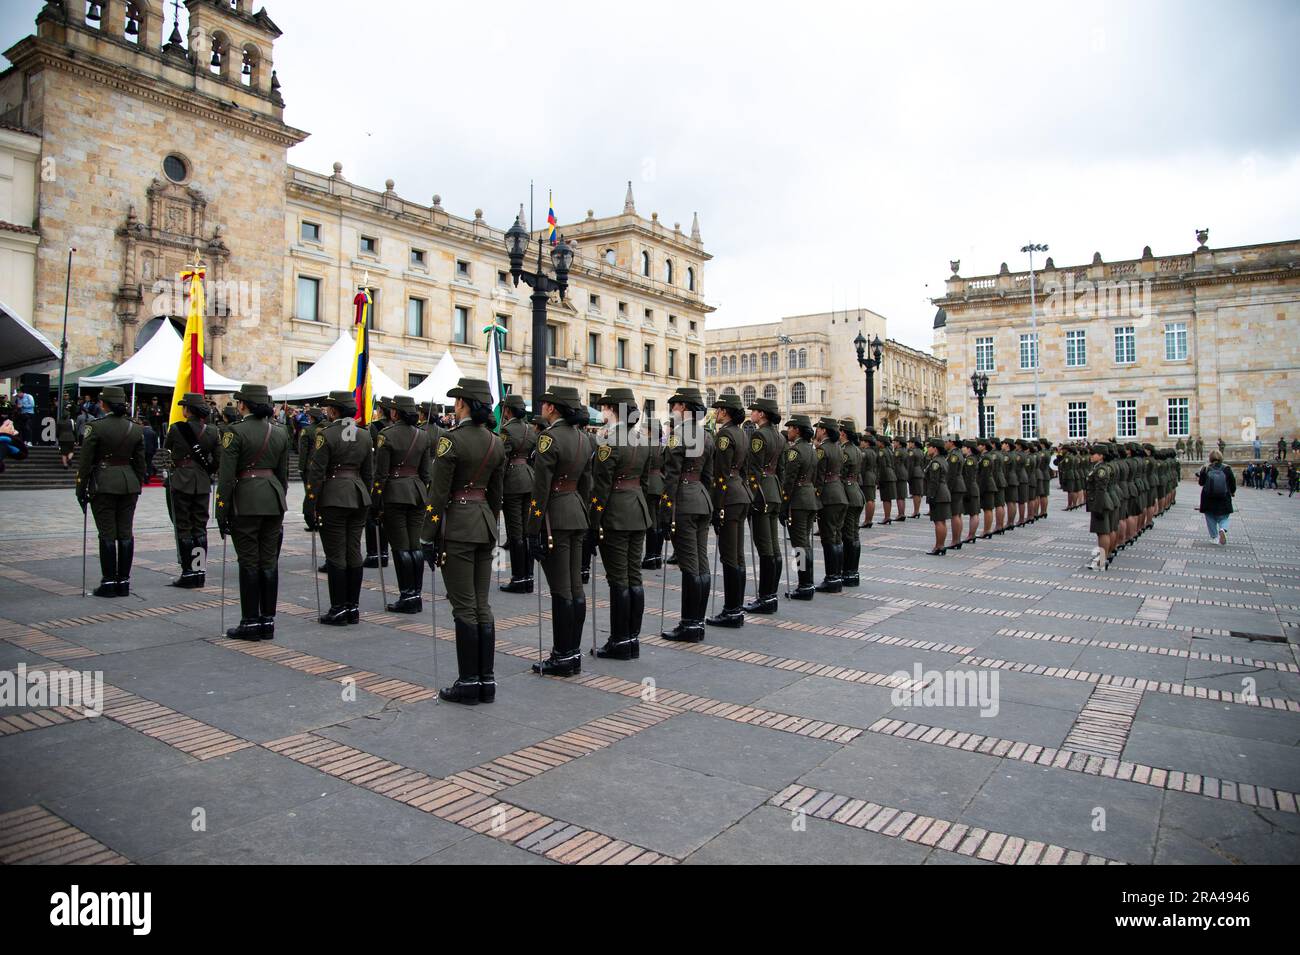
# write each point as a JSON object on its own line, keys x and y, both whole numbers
{"x": 688, "y": 469}
{"x": 193, "y": 445}
{"x": 869, "y": 469}
{"x": 936, "y": 481}
{"x": 830, "y": 489}
{"x": 405, "y": 447}
{"x": 112, "y": 457}
{"x": 849, "y": 472}
{"x": 730, "y": 462}
{"x": 468, "y": 458}
{"x": 798, "y": 476}
{"x": 520, "y": 439}
{"x": 1099, "y": 482}
{"x": 970, "y": 474}
{"x": 766, "y": 449}
{"x": 624, "y": 458}
{"x": 563, "y": 455}
{"x": 956, "y": 480}
{"x": 253, "y": 443}
{"x": 340, "y": 444}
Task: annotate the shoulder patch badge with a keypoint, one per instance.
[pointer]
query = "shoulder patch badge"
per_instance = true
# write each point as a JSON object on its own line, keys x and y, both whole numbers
{"x": 544, "y": 443}
{"x": 604, "y": 452}
{"x": 380, "y": 442}
{"x": 792, "y": 455}
{"x": 821, "y": 453}
{"x": 228, "y": 437}
{"x": 724, "y": 442}
{"x": 984, "y": 464}
{"x": 755, "y": 445}
{"x": 444, "y": 445}
{"x": 673, "y": 442}
{"x": 320, "y": 440}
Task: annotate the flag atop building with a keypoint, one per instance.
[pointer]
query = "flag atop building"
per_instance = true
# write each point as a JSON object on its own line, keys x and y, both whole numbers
{"x": 360, "y": 383}
{"x": 495, "y": 335}
{"x": 551, "y": 222}
{"x": 189, "y": 372}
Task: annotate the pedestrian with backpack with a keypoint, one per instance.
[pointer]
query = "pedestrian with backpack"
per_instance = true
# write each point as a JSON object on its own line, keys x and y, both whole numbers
{"x": 1217, "y": 488}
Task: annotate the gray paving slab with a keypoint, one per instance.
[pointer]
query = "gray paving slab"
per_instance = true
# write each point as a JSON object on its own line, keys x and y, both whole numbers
{"x": 1210, "y": 832}
{"x": 1260, "y": 762}
{"x": 768, "y": 836}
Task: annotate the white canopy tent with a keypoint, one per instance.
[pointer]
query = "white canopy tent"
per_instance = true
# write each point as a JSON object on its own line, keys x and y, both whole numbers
{"x": 332, "y": 372}
{"x": 22, "y": 347}
{"x": 444, "y": 376}
{"x": 156, "y": 364}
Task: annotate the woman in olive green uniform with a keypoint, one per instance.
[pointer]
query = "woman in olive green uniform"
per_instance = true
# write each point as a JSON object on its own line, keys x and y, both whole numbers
{"x": 970, "y": 477}
{"x": 937, "y": 494}
{"x": 1098, "y": 499}
{"x": 688, "y": 475}
{"x": 338, "y": 500}
{"x": 460, "y": 535}
{"x": 766, "y": 452}
{"x": 402, "y": 469}
{"x": 254, "y": 477}
{"x": 557, "y": 522}
{"x": 622, "y": 519}
{"x": 870, "y": 475}
{"x": 800, "y": 503}
{"x": 986, "y": 483}
{"x": 110, "y": 472}
{"x": 956, "y": 488}
{"x": 888, "y": 475}
{"x": 850, "y": 477}
{"x": 654, "y": 490}
{"x": 1012, "y": 473}
{"x": 903, "y": 480}
{"x": 192, "y": 450}
{"x": 830, "y": 492}
{"x": 731, "y": 502}
{"x": 519, "y": 440}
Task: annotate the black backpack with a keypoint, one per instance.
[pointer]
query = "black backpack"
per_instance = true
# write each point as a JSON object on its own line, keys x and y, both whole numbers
{"x": 1216, "y": 482}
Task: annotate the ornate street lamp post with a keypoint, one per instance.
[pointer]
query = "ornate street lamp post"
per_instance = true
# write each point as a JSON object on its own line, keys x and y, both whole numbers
{"x": 542, "y": 285}
{"x": 980, "y": 382}
{"x": 1031, "y": 248}
{"x": 869, "y": 365}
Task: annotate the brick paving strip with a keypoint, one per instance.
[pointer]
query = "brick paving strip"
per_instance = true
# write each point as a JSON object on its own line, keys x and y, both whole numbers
{"x": 1281, "y": 666}
{"x": 35, "y": 836}
{"x": 1103, "y": 725}
{"x": 38, "y": 641}
{"x": 930, "y": 831}
{"x": 56, "y": 587}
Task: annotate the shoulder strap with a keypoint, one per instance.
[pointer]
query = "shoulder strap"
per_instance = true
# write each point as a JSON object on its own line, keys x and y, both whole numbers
{"x": 415, "y": 439}
{"x": 257, "y": 459}
{"x": 478, "y": 472}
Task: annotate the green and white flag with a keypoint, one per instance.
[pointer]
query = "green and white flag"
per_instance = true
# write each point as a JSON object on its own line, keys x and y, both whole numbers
{"x": 495, "y": 339}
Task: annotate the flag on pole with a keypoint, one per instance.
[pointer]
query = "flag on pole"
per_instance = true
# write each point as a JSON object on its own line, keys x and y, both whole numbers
{"x": 551, "y": 221}
{"x": 189, "y": 374}
{"x": 496, "y": 336}
{"x": 360, "y": 383}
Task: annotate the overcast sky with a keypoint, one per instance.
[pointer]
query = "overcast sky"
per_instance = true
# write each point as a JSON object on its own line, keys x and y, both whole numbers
{"x": 837, "y": 153}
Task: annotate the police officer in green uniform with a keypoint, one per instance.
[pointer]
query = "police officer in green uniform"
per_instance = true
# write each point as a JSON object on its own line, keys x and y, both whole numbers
{"x": 402, "y": 472}
{"x": 519, "y": 440}
{"x": 110, "y": 472}
{"x": 376, "y": 539}
{"x": 986, "y": 483}
{"x": 850, "y": 478}
{"x": 903, "y": 480}
{"x": 465, "y": 497}
{"x": 589, "y": 542}
{"x": 916, "y": 473}
{"x": 830, "y": 492}
{"x": 654, "y": 491}
{"x": 938, "y": 494}
{"x": 870, "y": 476}
{"x": 1011, "y": 469}
{"x": 557, "y": 522}
{"x": 1000, "y": 480}
{"x": 766, "y": 452}
{"x": 731, "y": 501}
{"x": 1097, "y": 501}
{"x": 800, "y": 502}
{"x": 621, "y": 518}
{"x": 956, "y": 487}
{"x": 337, "y": 501}
{"x": 888, "y": 475}
{"x": 307, "y": 441}
{"x": 254, "y": 476}
{"x": 970, "y": 478}
{"x": 688, "y": 476}
{"x": 192, "y": 448}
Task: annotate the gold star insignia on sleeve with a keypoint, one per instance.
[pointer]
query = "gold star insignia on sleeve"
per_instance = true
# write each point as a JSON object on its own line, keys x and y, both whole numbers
{"x": 436, "y": 518}
{"x": 428, "y": 507}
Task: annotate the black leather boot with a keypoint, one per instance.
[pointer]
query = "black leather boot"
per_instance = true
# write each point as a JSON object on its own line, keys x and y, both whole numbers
{"x": 849, "y": 569}
{"x": 354, "y": 575}
{"x": 768, "y": 575}
{"x": 575, "y": 631}
{"x": 830, "y": 584}
{"x": 588, "y": 549}
{"x": 688, "y": 604}
{"x": 270, "y": 594}
{"x": 733, "y": 598}
{"x": 467, "y": 687}
{"x": 185, "y": 557}
{"x": 519, "y": 582}
{"x": 200, "y": 560}
{"x": 415, "y": 559}
{"x": 617, "y": 647}
{"x": 487, "y": 648}
{"x": 250, "y": 606}
{"x": 107, "y": 569}
{"x": 337, "y": 615}
{"x": 559, "y": 663}
{"x": 654, "y": 542}
{"x": 804, "y": 590}
{"x": 125, "y": 552}
{"x": 636, "y": 610}
{"x": 408, "y": 600}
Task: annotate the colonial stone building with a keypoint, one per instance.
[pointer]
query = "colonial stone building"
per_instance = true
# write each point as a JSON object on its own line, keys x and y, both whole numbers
{"x": 1154, "y": 349}
{"x": 809, "y": 364}
{"x": 151, "y": 153}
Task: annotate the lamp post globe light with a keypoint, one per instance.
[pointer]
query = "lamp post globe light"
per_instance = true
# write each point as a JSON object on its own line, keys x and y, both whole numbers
{"x": 979, "y": 381}
{"x": 869, "y": 365}
{"x": 516, "y": 242}
{"x": 1031, "y": 248}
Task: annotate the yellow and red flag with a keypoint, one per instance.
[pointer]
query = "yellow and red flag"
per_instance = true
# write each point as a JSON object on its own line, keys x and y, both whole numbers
{"x": 360, "y": 383}
{"x": 189, "y": 374}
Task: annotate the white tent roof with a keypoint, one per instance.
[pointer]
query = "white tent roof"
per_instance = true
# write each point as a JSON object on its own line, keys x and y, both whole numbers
{"x": 445, "y": 375}
{"x": 156, "y": 364}
{"x": 332, "y": 372}
{"x": 22, "y": 348}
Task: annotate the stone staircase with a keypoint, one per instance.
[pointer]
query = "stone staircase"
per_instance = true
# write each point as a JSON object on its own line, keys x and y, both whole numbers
{"x": 42, "y": 470}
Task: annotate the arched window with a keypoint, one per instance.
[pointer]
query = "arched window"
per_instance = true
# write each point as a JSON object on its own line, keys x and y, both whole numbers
{"x": 803, "y": 358}
{"x": 798, "y": 394}
{"x": 753, "y": 363}
{"x": 749, "y": 395}
{"x": 131, "y": 25}
{"x": 668, "y": 271}
{"x": 250, "y": 70}
{"x": 610, "y": 257}
{"x": 731, "y": 366}
{"x": 219, "y": 61}
{"x": 645, "y": 264}
{"x": 775, "y": 361}
{"x": 713, "y": 367}
{"x": 744, "y": 364}
{"x": 690, "y": 278}
{"x": 729, "y": 390}
{"x": 713, "y": 396}
{"x": 792, "y": 360}
{"x": 769, "y": 391}
{"x": 765, "y": 361}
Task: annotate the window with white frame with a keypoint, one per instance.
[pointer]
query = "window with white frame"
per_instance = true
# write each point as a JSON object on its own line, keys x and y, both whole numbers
{"x": 1029, "y": 350}
{"x": 798, "y": 393}
{"x": 1029, "y": 421}
{"x": 1179, "y": 416}
{"x": 460, "y": 325}
{"x": 415, "y": 317}
{"x": 1076, "y": 416}
{"x": 990, "y": 421}
{"x": 1176, "y": 341}
{"x": 1126, "y": 418}
{"x": 984, "y": 354}
{"x": 1125, "y": 345}
{"x": 308, "y": 307}
{"x": 1076, "y": 348}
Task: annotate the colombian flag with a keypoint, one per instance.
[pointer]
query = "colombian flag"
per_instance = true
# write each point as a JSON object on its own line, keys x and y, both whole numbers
{"x": 189, "y": 374}
{"x": 550, "y": 217}
{"x": 360, "y": 383}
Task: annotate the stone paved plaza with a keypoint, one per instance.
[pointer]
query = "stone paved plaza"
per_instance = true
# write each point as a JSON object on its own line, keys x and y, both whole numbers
{"x": 1148, "y": 714}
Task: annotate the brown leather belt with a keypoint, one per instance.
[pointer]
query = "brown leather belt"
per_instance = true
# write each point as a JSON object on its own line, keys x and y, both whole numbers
{"x": 345, "y": 470}
{"x": 405, "y": 470}
{"x": 769, "y": 470}
{"x": 523, "y": 460}
{"x": 255, "y": 473}
{"x": 656, "y": 472}
{"x": 563, "y": 487}
{"x": 691, "y": 477}
{"x": 627, "y": 484}
{"x": 469, "y": 494}
{"x": 833, "y": 476}
{"x": 115, "y": 462}
{"x": 802, "y": 483}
